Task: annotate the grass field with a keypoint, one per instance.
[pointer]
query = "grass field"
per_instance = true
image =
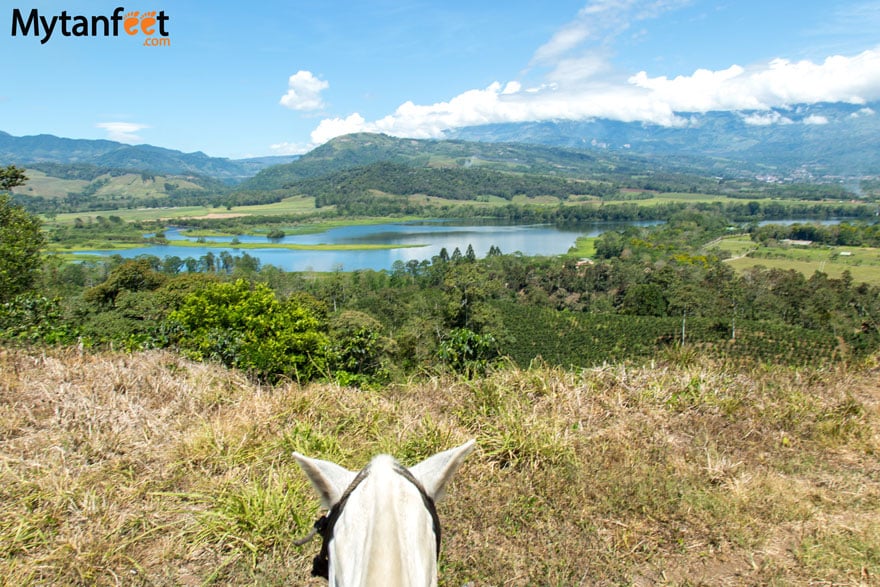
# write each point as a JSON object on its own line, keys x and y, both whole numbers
{"x": 306, "y": 205}
{"x": 293, "y": 205}
{"x": 668, "y": 197}
{"x": 863, "y": 263}
{"x": 584, "y": 247}
{"x": 40, "y": 184}
{"x": 128, "y": 186}
{"x": 147, "y": 469}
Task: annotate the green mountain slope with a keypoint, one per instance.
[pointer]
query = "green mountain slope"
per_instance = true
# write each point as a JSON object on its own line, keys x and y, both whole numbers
{"x": 30, "y": 150}
{"x": 55, "y": 187}
{"x": 817, "y": 139}
{"x": 364, "y": 149}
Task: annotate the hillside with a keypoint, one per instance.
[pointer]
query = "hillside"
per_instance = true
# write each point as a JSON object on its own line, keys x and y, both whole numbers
{"x": 369, "y": 174}
{"x": 54, "y": 188}
{"x": 28, "y": 150}
{"x": 152, "y": 469}
{"x": 364, "y": 150}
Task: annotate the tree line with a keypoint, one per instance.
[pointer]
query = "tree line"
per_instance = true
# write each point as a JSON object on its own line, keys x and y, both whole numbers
{"x": 649, "y": 288}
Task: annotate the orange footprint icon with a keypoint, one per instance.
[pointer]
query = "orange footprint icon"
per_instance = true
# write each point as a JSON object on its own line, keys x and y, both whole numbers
{"x": 148, "y": 22}
{"x": 131, "y": 21}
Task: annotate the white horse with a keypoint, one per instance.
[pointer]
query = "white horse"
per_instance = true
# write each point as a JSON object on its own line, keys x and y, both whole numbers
{"x": 382, "y": 526}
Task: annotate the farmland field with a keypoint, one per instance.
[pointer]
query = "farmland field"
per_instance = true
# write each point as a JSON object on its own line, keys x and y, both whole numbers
{"x": 293, "y": 205}
{"x": 863, "y": 263}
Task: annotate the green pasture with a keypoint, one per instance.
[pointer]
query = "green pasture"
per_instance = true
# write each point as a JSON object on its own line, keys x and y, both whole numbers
{"x": 863, "y": 263}
{"x": 288, "y": 206}
{"x": 735, "y": 246}
{"x": 128, "y": 186}
{"x": 677, "y": 197}
{"x": 42, "y": 185}
{"x": 584, "y": 247}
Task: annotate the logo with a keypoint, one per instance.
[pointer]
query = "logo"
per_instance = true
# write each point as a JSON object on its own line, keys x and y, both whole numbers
{"x": 151, "y": 25}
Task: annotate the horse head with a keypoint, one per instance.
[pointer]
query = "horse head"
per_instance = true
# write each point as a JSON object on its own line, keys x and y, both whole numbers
{"x": 381, "y": 527}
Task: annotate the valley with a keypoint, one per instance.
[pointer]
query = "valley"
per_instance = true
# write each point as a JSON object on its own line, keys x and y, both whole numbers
{"x": 627, "y": 252}
{"x": 394, "y": 295}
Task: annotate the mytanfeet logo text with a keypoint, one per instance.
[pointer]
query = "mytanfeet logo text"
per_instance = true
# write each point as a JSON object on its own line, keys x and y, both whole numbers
{"x": 152, "y": 25}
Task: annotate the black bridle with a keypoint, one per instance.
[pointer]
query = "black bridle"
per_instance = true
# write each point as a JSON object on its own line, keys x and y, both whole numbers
{"x": 325, "y": 524}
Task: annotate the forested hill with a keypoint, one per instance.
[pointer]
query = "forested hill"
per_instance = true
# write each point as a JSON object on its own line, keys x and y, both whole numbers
{"x": 39, "y": 149}
{"x": 376, "y": 174}
{"x": 359, "y": 150}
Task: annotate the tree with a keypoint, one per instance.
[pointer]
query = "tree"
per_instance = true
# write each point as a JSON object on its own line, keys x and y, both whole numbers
{"x": 610, "y": 244}
{"x": 467, "y": 288}
{"x": 20, "y": 239}
{"x": 247, "y": 327}
{"x": 10, "y": 177}
{"x": 358, "y": 350}
{"x": 132, "y": 276}
{"x": 467, "y": 352}
{"x": 470, "y": 255}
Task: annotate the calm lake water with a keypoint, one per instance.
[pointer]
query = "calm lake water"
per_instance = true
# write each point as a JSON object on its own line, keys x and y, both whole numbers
{"x": 429, "y": 236}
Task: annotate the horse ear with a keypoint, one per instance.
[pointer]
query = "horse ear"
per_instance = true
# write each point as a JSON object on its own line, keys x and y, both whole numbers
{"x": 436, "y": 471}
{"x": 329, "y": 479}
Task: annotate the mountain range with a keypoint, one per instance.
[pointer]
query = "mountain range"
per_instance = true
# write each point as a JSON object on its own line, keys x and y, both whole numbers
{"x": 29, "y": 150}
{"x": 806, "y": 142}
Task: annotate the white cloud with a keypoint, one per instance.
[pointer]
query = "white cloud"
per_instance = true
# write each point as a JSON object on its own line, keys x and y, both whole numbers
{"x": 766, "y": 119}
{"x": 779, "y": 82}
{"x": 334, "y": 127}
{"x": 579, "y": 83}
{"x": 286, "y": 148}
{"x": 304, "y": 91}
{"x": 862, "y": 112}
{"x": 599, "y": 21}
{"x": 124, "y": 132}
{"x": 581, "y": 50}
{"x": 657, "y": 100}
{"x": 816, "y": 119}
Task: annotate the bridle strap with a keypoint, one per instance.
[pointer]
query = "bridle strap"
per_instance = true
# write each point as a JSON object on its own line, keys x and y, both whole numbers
{"x": 325, "y": 524}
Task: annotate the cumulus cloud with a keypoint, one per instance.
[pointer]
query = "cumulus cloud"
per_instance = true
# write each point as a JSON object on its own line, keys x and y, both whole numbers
{"x": 779, "y": 82}
{"x": 304, "y": 91}
{"x": 286, "y": 148}
{"x": 657, "y": 100}
{"x": 124, "y": 132}
{"x": 579, "y": 82}
{"x": 766, "y": 119}
{"x": 816, "y": 119}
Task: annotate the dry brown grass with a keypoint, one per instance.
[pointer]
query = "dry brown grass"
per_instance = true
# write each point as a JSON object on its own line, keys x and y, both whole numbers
{"x": 147, "y": 469}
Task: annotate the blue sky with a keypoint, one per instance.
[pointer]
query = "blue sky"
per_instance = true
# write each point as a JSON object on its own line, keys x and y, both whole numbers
{"x": 274, "y": 77}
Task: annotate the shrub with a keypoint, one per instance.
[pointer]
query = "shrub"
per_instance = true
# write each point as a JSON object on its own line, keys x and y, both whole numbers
{"x": 32, "y": 319}
{"x": 467, "y": 352}
{"x": 359, "y": 353}
{"x": 247, "y": 327}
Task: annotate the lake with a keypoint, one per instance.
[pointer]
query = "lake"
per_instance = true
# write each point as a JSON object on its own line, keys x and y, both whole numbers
{"x": 422, "y": 239}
